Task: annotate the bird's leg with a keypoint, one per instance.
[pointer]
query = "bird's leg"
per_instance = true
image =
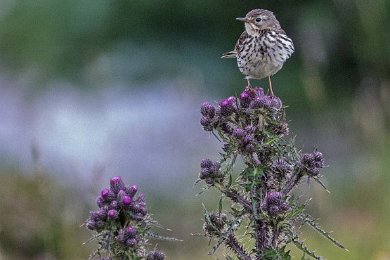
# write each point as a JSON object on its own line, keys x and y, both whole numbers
{"x": 248, "y": 83}
{"x": 270, "y": 85}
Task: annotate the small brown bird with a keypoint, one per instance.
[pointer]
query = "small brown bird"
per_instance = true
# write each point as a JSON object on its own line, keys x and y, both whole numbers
{"x": 262, "y": 48}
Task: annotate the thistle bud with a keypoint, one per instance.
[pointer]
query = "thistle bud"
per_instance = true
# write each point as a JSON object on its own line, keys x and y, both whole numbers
{"x": 112, "y": 214}
{"x": 116, "y": 184}
{"x": 155, "y": 255}
{"x": 207, "y": 110}
{"x": 227, "y": 106}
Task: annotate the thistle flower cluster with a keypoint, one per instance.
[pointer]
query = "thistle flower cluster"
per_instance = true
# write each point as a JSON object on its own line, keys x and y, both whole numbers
{"x": 312, "y": 163}
{"x": 210, "y": 171}
{"x": 253, "y": 127}
{"x": 245, "y": 123}
{"x": 122, "y": 223}
{"x": 274, "y": 203}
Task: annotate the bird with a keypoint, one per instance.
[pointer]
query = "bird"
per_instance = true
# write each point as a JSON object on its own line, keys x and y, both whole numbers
{"x": 262, "y": 48}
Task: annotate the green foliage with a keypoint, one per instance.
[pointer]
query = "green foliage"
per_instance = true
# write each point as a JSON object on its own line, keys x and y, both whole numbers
{"x": 38, "y": 217}
{"x": 277, "y": 254}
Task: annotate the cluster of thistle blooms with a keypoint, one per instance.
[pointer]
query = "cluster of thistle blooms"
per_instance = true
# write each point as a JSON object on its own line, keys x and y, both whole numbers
{"x": 245, "y": 123}
{"x": 253, "y": 126}
{"x": 122, "y": 223}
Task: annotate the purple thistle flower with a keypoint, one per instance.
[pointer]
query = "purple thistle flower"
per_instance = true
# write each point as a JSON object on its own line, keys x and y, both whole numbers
{"x": 116, "y": 184}
{"x": 104, "y": 192}
{"x": 307, "y": 158}
{"x": 280, "y": 129}
{"x": 284, "y": 206}
{"x": 91, "y": 225}
{"x": 121, "y": 237}
{"x": 232, "y": 100}
{"x": 100, "y": 201}
{"x": 239, "y": 133}
{"x": 246, "y": 97}
{"x": 107, "y": 195}
{"x": 215, "y": 222}
{"x": 274, "y": 203}
{"x": 125, "y": 234}
{"x": 250, "y": 129}
{"x": 155, "y": 255}
{"x": 281, "y": 167}
{"x": 318, "y": 159}
{"x": 102, "y": 213}
{"x": 262, "y": 102}
{"x": 138, "y": 212}
{"x": 204, "y": 173}
{"x": 273, "y": 209}
{"x": 131, "y": 190}
{"x": 100, "y": 224}
{"x": 113, "y": 214}
{"x": 209, "y": 167}
{"x": 120, "y": 195}
{"x": 207, "y": 110}
{"x": 312, "y": 163}
{"x": 259, "y": 91}
{"x": 130, "y": 232}
{"x": 205, "y": 121}
{"x": 126, "y": 201}
{"x": 132, "y": 242}
{"x": 113, "y": 205}
{"x": 275, "y": 103}
{"x": 218, "y": 219}
{"x": 214, "y": 169}
{"x": 273, "y": 197}
{"x": 94, "y": 215}
{"x": 206, "y": 163}
{"x": 210, "y": 173}
{"x": 248, "y": 139}
{"x": 140, "y": 209}
{"x": 227, "y": 106}
{"x": 141, "y": 199}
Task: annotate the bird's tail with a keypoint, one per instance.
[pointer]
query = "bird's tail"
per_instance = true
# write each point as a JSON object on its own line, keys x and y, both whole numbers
{"x": 230, "y": 54}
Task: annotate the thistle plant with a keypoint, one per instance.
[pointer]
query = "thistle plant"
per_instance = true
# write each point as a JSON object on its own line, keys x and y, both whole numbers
{"x": 122, "y": 224}
{"x": 262, "y": 216}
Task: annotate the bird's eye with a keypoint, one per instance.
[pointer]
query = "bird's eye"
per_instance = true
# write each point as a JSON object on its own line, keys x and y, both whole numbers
{"x": 258, "y": 20}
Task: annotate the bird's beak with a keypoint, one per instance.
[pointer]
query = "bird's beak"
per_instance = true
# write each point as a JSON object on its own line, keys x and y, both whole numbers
{"x": 242, "y": 19}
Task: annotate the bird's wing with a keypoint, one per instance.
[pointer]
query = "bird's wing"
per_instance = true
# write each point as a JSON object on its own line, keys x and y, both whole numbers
{"x": 229, "y": 54}
{"x": 237, "y": 49}
{"x": 239, "y": 45}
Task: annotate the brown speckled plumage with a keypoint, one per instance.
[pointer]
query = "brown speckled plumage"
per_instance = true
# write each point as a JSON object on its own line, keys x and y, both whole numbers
{"x": 263, "y": 47}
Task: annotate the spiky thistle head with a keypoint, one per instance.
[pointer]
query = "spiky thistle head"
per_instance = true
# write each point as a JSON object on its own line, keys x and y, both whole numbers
{"x": 122, "y": 223}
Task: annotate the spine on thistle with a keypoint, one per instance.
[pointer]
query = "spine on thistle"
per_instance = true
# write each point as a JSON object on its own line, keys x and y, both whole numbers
{"x": 253, "y": 127}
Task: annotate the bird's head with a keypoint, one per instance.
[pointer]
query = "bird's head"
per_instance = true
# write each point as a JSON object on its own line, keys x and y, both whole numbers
{"x": 259, "y": 19}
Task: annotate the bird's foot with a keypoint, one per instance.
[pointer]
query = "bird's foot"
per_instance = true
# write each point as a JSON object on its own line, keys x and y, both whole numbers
{"x": 248, "y": 84}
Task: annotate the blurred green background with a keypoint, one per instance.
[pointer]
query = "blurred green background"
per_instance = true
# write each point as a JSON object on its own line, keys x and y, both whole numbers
{"x": 91, "y": 89}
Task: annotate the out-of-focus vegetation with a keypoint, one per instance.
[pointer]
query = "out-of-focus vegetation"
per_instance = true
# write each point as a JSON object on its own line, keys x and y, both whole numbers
{"x": 337, "y": 86}
{"x": 39, "y": 218}
{"x": 340, "y": 44}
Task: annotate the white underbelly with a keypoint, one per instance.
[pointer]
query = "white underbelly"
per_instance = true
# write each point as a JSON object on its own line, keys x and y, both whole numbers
{"x": 259, "y": 69}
